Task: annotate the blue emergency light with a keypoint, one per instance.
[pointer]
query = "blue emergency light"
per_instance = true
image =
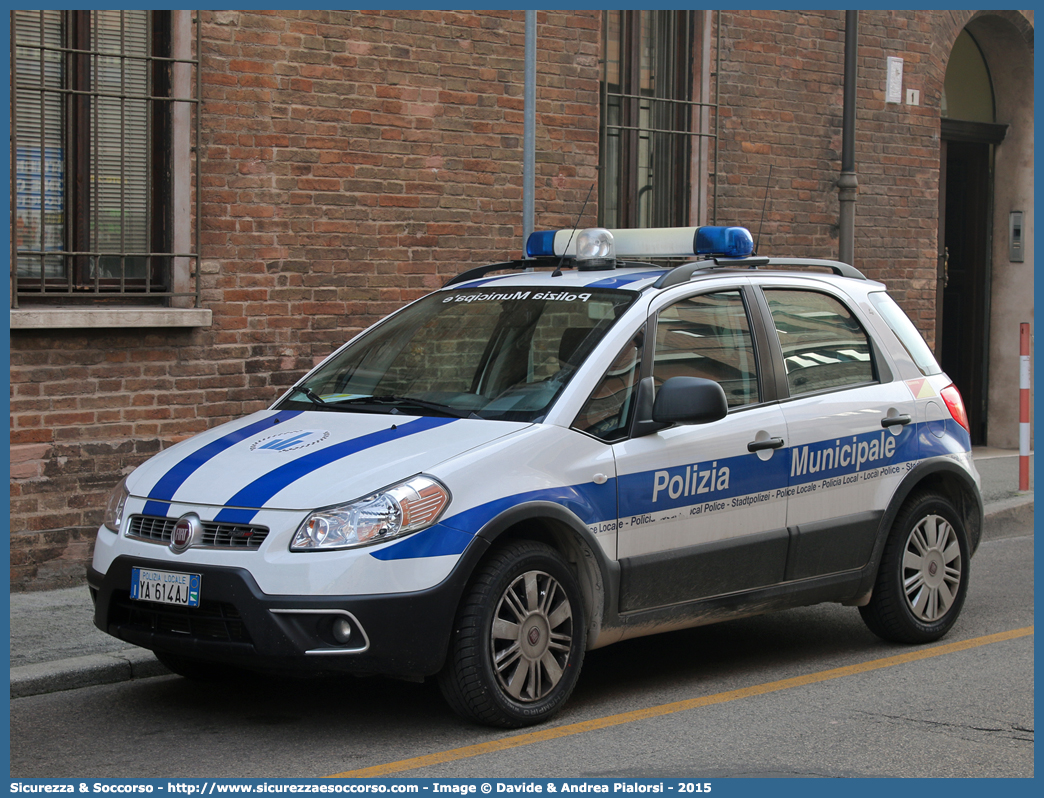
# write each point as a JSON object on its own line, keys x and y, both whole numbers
{"x": 662, "y": 242}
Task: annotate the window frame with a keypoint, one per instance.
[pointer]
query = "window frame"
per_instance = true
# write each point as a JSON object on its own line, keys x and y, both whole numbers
{"x": 171, "y": 278}
{"x": 680, "y": 124}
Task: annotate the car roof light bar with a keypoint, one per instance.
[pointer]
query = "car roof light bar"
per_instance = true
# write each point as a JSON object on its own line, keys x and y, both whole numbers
{"x": 653, "y": 242}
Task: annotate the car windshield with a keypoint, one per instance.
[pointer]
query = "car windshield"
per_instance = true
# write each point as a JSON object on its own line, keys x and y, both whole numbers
{"x": 485, "y": 353}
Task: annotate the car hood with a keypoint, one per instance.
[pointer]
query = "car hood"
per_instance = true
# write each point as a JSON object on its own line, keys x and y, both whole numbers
{"x": 294, "y": 460}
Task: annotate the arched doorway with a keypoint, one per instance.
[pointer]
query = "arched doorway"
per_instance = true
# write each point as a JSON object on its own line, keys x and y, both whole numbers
{"x": 982, "y": 291}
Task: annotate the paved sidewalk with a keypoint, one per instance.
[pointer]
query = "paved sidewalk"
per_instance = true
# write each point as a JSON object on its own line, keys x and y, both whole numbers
{"x": 55, "y": 645}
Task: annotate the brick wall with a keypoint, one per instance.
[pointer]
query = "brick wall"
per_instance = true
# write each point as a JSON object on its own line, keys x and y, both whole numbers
{"x": 782, "y": 82}
{"x": 351, "y": 161}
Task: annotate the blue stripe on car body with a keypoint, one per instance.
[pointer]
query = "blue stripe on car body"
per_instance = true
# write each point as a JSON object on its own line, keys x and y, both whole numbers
{"x": 616, "y": 281}
{"x": 241, "y": 508}
{"x": 625, "y": 279}
{"x": 593, "y": 504}
{"x": 163, "y": 491}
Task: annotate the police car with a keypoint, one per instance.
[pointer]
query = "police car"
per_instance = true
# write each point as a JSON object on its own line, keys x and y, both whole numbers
{"x": 551, "y": 455}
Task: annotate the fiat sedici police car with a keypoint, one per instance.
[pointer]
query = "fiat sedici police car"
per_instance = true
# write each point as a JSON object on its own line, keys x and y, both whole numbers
{"x": 550, "y": 455}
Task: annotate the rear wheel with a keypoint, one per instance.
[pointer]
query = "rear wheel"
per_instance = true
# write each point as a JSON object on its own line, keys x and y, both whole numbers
{"x": 519, "y": 639}
{"x": 923, "y": 578}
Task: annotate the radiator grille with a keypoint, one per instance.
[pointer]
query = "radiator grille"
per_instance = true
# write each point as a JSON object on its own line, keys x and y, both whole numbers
{"x": 215, "y": 535}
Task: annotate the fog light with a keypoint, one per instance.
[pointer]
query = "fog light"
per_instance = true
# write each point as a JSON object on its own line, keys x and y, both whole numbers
{"x": 342, "y": 630}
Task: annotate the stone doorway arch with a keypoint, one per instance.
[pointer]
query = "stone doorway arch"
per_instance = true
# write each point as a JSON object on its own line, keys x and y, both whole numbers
{"x": 986, "y": 174}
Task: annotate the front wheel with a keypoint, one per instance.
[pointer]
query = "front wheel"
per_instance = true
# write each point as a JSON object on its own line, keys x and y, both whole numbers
{"x": 519, "y": 639}
{"x": 923, "y": 578}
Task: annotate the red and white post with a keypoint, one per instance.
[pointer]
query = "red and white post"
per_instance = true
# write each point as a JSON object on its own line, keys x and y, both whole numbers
{"x": 1024, "y": 405}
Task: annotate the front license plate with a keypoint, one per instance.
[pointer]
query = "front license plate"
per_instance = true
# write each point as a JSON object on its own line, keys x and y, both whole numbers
{"x": 165, "y": 587}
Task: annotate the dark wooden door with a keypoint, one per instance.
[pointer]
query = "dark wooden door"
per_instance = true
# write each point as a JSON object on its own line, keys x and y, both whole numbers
{"x": 965, "y": 312}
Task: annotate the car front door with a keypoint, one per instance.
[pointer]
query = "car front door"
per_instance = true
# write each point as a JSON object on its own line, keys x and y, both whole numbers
{"x": 703, "y": 507}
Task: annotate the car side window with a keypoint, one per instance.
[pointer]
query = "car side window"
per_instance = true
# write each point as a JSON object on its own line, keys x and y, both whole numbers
{"x": 708, "y": 336}
{"x": 607, "y": 412}
{"x": 824, "y": 345}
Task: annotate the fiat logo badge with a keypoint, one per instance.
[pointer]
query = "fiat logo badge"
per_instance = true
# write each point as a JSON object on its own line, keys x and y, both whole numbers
{"x": 185, "y": 531}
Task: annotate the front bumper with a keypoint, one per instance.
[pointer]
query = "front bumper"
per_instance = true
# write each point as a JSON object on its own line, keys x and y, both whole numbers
{"x": 395, "y": 634}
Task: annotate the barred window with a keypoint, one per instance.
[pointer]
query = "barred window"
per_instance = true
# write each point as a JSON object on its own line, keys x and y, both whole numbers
{"x": 655, "y": 127}
{"x": 102, "y": 117}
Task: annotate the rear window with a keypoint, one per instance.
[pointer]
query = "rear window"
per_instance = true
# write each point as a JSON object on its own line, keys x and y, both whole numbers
{"x": 907, "y": 334}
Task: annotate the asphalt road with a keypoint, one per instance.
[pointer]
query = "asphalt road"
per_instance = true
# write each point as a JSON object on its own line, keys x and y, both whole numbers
{"x": 803, "y": 693}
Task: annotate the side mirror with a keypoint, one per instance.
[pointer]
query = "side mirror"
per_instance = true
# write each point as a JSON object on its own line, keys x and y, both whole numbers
{"x": 689, "y": 400}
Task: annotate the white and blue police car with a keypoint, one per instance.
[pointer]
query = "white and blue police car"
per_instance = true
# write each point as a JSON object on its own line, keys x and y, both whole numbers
{"x": 553, "y": 454}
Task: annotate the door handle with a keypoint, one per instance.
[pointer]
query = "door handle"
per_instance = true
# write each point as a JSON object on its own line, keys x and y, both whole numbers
{"x": 768, "y": 443}
{"x": 892, "y": 421}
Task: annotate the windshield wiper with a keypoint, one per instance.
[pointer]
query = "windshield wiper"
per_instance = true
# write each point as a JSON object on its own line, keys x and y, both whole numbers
{"x": 313, "y": 397}
{"x": 438, "y": 407}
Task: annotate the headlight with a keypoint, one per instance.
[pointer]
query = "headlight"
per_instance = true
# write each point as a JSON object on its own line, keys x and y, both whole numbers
{"x": 408, "y": 507}
{"x": 114, "y": 509}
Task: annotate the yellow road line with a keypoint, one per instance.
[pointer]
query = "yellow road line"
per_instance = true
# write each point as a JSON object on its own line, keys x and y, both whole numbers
{"x": 543, "y": 735}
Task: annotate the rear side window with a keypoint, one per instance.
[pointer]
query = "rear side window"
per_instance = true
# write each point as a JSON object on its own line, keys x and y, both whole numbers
{"x": 907, "y": 334}
{"x": 824, "y": 345}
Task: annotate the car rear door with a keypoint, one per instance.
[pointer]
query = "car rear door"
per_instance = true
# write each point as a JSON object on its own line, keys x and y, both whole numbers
{"x": 850, "y": 428}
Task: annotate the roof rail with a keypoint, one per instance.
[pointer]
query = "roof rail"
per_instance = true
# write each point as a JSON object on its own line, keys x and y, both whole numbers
{"x": 836, "y": 266}
{"x": 482, "y": 271}
{"x": 682, "y": 274}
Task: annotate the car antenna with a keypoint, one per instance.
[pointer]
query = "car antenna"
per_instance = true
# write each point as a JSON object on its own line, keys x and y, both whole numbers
{"x": 558, "y": 271}
{"x": 764, "y": 206}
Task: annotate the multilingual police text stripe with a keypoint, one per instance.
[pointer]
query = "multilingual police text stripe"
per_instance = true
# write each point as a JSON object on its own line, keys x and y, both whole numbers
{"x": 163, "y": 491}
{"x": 733, "y": 478}
{"x": 241, "y": 508}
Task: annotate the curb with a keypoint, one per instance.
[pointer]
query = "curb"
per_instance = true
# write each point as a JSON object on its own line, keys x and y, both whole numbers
{"x": 1008, "y": 518}
{"x": 1004, "y": 519}
{"x": 94, "y": 669}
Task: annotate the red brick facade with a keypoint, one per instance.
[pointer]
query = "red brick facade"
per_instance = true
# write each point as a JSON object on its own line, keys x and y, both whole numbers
{"x": 352, "y": 160}
{"x": 781, "y": 95}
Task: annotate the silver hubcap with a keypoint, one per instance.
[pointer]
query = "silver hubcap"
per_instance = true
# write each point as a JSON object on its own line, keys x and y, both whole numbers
{"x": 532, "y": 635}
{"x": 931, "y": 568}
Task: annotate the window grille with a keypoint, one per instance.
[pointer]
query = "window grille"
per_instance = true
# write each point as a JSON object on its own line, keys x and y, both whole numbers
{"x": 655, "y": 153}
{"x": 98, "y": 100}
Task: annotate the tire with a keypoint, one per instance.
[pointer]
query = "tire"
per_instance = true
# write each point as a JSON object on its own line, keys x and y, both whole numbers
{"x": 198, "y": 670}
{"x": 923, "y": 578}
{"x": 519, "y": 639}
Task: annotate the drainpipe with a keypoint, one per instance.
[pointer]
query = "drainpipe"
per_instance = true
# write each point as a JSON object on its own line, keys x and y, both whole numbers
{"x": 848, "y": 183}
{"x": 529, "y": 129}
